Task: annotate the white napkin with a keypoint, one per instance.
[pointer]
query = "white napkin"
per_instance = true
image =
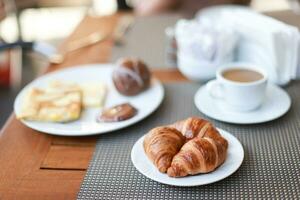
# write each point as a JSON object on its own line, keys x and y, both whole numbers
{"x": 264, "y": 41}
{"x": 209, "y": 45}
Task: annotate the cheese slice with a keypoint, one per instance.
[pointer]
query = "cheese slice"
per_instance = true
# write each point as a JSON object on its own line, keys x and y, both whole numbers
{"x": 93, "y": 93}
{"x": 51, "y": 106}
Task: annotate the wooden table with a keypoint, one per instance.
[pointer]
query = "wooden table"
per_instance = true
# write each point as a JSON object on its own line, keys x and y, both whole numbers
{"x": 40, "y": 166}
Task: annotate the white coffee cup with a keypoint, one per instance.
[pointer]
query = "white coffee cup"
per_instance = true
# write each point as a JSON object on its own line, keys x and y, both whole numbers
{"x": 239, "y": 96}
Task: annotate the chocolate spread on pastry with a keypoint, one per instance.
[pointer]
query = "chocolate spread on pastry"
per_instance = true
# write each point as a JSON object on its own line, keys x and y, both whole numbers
{"x": 118, "y": 113}
{"x": 131, "y": 76}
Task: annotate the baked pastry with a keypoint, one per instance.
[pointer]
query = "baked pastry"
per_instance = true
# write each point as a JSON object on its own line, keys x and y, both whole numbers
{"x": 161, "y": 145}
{"x": 190, "y": 127}
{"x": 131, "y": 76}
{"x": 118, "y": 113}
{"x": 201, "y": 154}
{"x": 61, "y": 101}
{"x": 202, "y": 148}
{"x": 54, "y": 106}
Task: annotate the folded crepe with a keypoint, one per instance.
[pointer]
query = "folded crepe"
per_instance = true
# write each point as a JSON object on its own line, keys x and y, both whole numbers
{"x": 51, "y": 106}
{"x": 61, "y": 101}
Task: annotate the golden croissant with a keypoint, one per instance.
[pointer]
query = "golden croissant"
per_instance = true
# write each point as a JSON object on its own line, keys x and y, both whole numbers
{"x": 187, "y": 147}
{"x": 161, "y": 145}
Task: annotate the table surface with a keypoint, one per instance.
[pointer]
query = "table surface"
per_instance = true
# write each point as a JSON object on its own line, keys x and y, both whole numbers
{"x": 40, "y": 166}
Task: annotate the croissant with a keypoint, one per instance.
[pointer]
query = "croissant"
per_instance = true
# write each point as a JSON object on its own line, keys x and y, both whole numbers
{"x": 161, "y": 145}
{"x": 202, "y": 148}
{"x": 190, "y": 127}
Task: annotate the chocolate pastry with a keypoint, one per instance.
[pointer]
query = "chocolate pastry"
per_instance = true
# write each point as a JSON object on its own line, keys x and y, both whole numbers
{"x": 131, "y": 76}
{"x": 118, "y": 113}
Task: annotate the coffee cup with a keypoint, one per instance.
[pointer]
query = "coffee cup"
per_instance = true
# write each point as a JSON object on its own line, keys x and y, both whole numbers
{"x": 241, "y": 86}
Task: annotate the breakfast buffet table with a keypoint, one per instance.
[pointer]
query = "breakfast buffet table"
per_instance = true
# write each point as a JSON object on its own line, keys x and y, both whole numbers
{"x": 35, "y": 165}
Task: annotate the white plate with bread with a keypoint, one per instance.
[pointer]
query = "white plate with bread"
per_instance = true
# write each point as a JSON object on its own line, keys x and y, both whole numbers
{"x": 69, "y": 102}
{"x": 205, "y": 155}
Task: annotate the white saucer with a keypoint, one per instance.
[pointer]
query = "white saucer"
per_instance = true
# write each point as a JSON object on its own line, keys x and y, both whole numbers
{"x": 277, "y": 103}
{"x": 235, "y": 156}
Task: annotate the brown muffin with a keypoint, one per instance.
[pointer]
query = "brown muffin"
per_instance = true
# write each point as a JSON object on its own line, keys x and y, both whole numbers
{"x": 131, "y": 76}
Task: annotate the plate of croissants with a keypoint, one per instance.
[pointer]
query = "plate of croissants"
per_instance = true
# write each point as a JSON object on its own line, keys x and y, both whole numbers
{"x": 189, "y": 152}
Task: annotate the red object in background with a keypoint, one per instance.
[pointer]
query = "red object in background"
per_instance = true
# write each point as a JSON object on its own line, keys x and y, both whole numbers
{"x": 4, "y": 69}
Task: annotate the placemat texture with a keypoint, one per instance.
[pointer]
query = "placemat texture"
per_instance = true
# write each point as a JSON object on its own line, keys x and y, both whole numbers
{"x": 271, "y": 168}
{"x": 146, "y": 40}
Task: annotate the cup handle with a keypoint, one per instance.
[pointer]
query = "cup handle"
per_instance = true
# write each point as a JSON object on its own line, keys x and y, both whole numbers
{"x": 215, "y": 89}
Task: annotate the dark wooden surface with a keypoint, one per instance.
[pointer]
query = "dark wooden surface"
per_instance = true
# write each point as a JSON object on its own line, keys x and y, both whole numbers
{"x": 40, "y": 166}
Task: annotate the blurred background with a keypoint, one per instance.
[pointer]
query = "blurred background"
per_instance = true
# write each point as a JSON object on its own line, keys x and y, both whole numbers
{"x": 49, "y": 22}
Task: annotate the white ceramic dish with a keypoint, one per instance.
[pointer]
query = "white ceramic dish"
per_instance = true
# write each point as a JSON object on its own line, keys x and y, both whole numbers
{"x": 146, "y": 102}
{"x": 235, "y": 156}
{"x": 276, "y": 104}
{"x": 195, "y": 70}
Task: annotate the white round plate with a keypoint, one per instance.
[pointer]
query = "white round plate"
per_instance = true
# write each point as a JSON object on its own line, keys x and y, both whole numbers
{"x": 235, "y": 156}
{"x": 146, "y": 102}
{"x": 276, "y": 104}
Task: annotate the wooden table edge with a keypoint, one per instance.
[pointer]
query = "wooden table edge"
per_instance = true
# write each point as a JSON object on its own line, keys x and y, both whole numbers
{"x": 20, "y": 181}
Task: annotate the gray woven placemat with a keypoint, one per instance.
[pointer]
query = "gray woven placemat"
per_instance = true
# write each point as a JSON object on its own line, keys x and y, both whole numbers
{"x": 271, "y": 168}
{"x": 147, "y": 41}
